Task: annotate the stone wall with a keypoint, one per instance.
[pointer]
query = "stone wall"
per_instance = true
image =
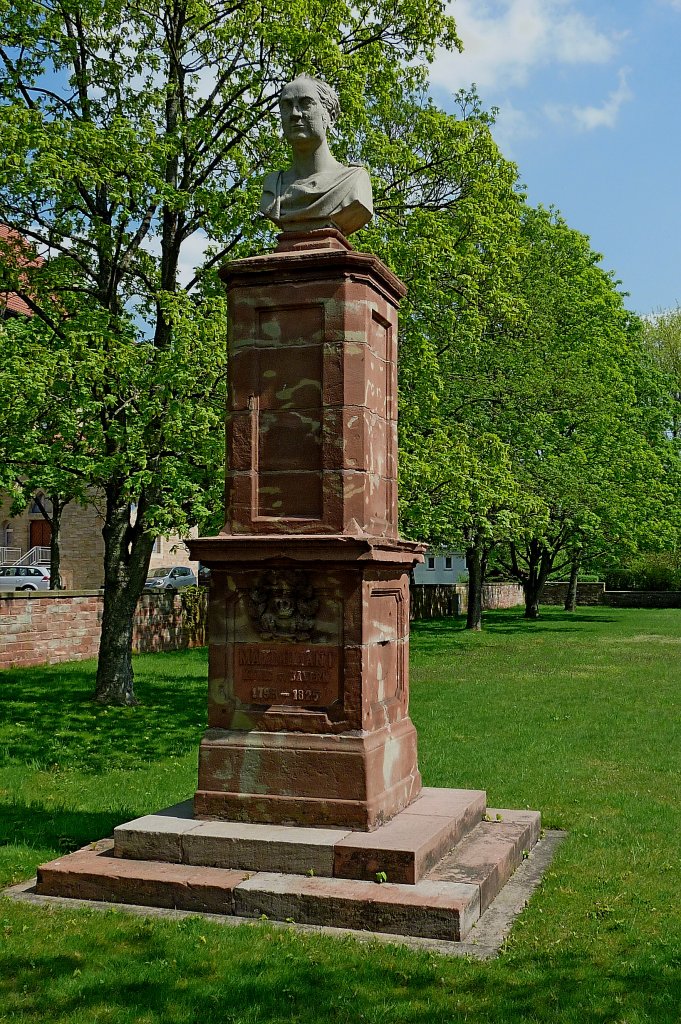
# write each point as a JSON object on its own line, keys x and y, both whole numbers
{"x": 494, "y": 596}
{"x": 436, "y": 602}
{"x": 642, "y": 598}
{"x": 587, "y": 593}
{"x": 596, "y": 594}
{"x": 45, "y": 627}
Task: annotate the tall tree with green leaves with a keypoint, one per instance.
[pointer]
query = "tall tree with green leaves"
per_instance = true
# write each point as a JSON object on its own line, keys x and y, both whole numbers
{"x": 662, "y": 340}
{"x": 587, "y": 437}
{"x": 458, "y": 258}
{"x": 125, "y": 132}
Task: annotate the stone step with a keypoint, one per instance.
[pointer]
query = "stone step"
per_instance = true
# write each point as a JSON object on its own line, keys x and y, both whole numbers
{"x": 414, "y": 841}
{"x": 489, "y": 854}
{"x": 436, "y": 910}
{"x": 433, "y": 909}
{"x": 443, "y": 905}
{"x": 403, "y": 850}
{"x": 95, "y": 874}
{"x": 177, "y": 837}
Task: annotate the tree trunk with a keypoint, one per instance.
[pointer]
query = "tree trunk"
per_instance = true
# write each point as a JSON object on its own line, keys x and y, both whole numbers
{"x": 55, "y": 543}
{"x": 476, "y": 563}
{"x": 571, "y": 596}
{"x": 127, "y": 551}
{"x": 530, "y": 581}
{"x": 540, "y": 565}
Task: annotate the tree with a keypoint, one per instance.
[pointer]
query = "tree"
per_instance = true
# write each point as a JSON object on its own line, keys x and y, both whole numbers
{"x": 589, "y": 441}
{"x": 35, "y": 425}
{"x": 125, "y": 131}
{"x": 456, "y": 249}
{"x": 662, "y": 340}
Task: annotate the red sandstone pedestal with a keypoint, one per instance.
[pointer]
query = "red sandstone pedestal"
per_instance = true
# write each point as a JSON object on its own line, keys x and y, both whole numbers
{"x": 309, "y": 605}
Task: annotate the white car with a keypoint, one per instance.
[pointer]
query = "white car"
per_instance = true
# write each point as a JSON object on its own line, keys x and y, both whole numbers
{"x": 24, "y": 577}
{"x": 171, "y": 578}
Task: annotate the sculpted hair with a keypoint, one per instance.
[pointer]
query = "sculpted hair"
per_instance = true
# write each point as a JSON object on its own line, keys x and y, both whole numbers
{"x": 328, "y": 97}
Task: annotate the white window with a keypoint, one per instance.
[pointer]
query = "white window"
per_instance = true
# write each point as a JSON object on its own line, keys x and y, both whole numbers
{"x": 430, "y": 562}
{"x": 448, "y": 562}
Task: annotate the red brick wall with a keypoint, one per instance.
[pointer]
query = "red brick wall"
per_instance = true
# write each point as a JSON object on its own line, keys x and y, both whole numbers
{"x": 48, "y": 627}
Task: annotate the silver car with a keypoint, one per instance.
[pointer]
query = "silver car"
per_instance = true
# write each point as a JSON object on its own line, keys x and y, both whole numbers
{"x": 24, "y": 577}
{"x": 171, "y": 578}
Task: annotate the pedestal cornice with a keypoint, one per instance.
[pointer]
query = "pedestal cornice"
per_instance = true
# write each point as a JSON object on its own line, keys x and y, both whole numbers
{"x": 228, "y": 549}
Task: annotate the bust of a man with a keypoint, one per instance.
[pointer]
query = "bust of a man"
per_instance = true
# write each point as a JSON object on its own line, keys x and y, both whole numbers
{"x": 316, "y": 191}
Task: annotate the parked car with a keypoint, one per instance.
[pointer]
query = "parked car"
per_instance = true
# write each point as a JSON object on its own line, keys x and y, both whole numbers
{"x": 171, "y": 578}
{"x": 204, "y": 575}
{"x": 24, "y": 577}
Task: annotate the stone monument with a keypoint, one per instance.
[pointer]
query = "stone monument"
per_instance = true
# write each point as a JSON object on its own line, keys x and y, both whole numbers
{"x": 309, "y": 791}
{"x": 309, "y": 610}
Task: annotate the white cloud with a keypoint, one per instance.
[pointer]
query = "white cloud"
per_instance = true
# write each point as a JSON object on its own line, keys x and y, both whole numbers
{"x": 606, "y": 115}
{"x": 512, "y": 125}
{"x": 505, "y": 40}
{"x": 676, "y": 4}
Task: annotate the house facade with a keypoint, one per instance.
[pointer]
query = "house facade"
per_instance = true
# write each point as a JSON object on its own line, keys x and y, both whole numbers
{"x": 27, "y": 537}
{"x": 441, "y": 567}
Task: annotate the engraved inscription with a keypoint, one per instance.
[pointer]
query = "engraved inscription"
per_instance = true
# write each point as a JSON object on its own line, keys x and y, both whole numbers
{"x": 298, "y": 675}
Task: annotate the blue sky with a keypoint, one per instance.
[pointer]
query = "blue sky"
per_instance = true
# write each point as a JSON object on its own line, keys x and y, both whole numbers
{"x": 588, "y": 96}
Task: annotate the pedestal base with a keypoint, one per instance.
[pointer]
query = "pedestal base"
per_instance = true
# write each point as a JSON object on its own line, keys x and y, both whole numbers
{"x": 432, "y": 871}
{"x": 348, "y": 781}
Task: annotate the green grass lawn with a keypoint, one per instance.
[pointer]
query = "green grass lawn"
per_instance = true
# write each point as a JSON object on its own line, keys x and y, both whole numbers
{"x": 575, "y": 715}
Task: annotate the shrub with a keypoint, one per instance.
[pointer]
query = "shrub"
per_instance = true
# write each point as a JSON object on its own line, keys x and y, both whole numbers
{"x": 659, "y": 570}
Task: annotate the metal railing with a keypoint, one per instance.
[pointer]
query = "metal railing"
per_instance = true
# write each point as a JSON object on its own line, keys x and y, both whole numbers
{"x": 36, "y": 556}
{"x": 8, "y": 556}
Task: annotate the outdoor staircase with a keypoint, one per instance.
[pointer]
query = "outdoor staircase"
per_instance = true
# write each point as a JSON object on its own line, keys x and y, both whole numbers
{"x": 431, "y": 871}
{"x": 36, "y": 556}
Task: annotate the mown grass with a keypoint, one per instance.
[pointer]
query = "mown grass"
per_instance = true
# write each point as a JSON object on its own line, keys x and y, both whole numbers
{"x": 575, "y": 715}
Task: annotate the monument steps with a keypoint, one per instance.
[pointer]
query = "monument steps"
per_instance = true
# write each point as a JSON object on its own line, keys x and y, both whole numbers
{"x": 458, "y": 856}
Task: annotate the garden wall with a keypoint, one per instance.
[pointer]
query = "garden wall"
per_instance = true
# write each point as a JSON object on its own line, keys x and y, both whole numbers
{"x": 441, "y": 601}
{"x": 494, "y": 596}
{"x": 596, "y": 594}
{"x": 642, "y": 598}
{"x": 45, "y": 627}
{"x": 435, "y": 601}
{"x": 587, "y": 593}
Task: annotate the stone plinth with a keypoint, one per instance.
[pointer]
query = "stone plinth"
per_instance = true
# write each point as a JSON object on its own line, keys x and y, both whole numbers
{"x": 312, "y": 422}
{"x": 308, "y": 707}
{"x": 440, "y": 863}
{"x": 308, "y": 712}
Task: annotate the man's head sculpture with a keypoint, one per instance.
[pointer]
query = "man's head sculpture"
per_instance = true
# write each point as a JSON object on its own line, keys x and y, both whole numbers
{"x": 316, "y": 191}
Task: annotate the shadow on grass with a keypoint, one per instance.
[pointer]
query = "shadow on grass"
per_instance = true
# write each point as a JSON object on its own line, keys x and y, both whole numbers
{"x": 48, "y": 717}
{"x": 56, "y": 828}
{"x": 310, "y": 984}
{"x": 551, "y": 620}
